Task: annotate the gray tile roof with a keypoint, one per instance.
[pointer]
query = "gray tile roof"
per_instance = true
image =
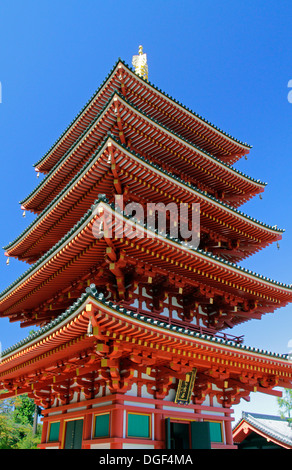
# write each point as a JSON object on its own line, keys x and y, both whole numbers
{"x": 95, "y": 94}
{"x": 92, "y": 292}
{"x": 273, "y": 426}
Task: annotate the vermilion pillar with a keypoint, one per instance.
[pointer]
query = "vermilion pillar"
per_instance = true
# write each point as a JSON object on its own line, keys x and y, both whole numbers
{"x": 158, "y": 424}
{"x": 87, "y": 429}
{"x": 117, "y": 422}
{"x": 228, "y": 433}
{"x": 44, "y": 432}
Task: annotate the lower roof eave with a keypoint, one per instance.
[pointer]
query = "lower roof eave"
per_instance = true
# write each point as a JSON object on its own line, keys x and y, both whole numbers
{"x": 198, "y": 261}
{"x": 109, "y": 321}
{"x": 244, "y": 428}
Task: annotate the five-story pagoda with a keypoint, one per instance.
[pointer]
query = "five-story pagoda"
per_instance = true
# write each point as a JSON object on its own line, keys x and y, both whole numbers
{"x": 132, "y": 349}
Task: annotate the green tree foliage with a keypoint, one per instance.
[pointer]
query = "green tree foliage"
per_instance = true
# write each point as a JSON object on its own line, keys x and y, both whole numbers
{"x": 8, "y": 437}
{"x": 24, "y": 411}
{"x": 16, "y": 424}
{"x": 285, "y": 404}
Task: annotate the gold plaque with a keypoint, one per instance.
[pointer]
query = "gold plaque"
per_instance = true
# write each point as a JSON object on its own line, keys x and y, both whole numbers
{"x": 185, "y": 388}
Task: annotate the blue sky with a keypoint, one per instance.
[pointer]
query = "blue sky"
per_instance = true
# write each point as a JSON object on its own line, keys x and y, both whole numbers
{"x": 229, "y": 61}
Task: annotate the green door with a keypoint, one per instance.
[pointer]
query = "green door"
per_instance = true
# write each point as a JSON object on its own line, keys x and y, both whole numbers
{"x": 177, "y": 435}
{"x": 73, "y": 438}
{"x": 180, "y": 435}
{"x": 200, "y": 432}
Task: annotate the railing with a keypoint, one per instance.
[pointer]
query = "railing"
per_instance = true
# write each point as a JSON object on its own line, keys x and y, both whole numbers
{"x": 197, "y": 328}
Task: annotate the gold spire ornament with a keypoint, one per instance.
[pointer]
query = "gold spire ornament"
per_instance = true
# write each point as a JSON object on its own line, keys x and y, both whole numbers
{"x": 139, "y": 63}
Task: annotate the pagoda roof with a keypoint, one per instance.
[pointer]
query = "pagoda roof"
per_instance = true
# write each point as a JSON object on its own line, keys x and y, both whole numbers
{"x": 218, "y": 216}
{"x": 158, "y": 143}
{"x": 72, "y": 161}
{"x": 155, "y": 103}
{"x": 273, "y": 428}
{"x": 79, "y": 250}
{"x": 164, "y": 146}
{"x": 45, "y": 346}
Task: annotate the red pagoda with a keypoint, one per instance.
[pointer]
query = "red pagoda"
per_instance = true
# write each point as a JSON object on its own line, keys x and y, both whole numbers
{"x": 132, "y": 349}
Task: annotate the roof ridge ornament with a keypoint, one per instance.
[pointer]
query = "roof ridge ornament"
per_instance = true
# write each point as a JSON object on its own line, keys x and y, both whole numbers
{"x": 139, "y": 63}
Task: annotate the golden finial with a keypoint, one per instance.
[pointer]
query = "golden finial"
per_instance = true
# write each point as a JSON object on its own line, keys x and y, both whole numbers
{"x": 139, "y": 63}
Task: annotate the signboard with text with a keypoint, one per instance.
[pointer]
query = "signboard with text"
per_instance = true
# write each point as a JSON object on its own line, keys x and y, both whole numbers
{"x": 185, "y": 388}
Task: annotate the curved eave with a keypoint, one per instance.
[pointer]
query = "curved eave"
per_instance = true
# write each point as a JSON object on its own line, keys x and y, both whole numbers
{"x": 184, "y": 155}
{"x": 216, "y": 215}
{"x": 120, "y": 72}
{"x": 80, "y": 123}
{"x": 72, "y": 324}
{"x": 79, "y": 250}
{"x": 73, "y": 160}
{"x": 167, "y": 147}
{"x": 184, "y": 121}
{"x": 245, "y": 427}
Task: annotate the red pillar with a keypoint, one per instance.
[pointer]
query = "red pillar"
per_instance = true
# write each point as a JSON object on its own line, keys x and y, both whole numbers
{"x": 87, "y": 430}
{"x": 159, "y": 434}
{"x": 62, "y": 433}
{"x": 228, "y": 433}
{"x": 117, "y": 422}
{"x": 44, "y": 432}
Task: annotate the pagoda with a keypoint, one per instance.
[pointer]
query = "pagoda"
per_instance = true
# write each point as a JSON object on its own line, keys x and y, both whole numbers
{"x": 133, "y": 347}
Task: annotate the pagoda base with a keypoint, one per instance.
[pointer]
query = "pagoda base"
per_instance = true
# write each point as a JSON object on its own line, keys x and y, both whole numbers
{"x": 121, "y": 421}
